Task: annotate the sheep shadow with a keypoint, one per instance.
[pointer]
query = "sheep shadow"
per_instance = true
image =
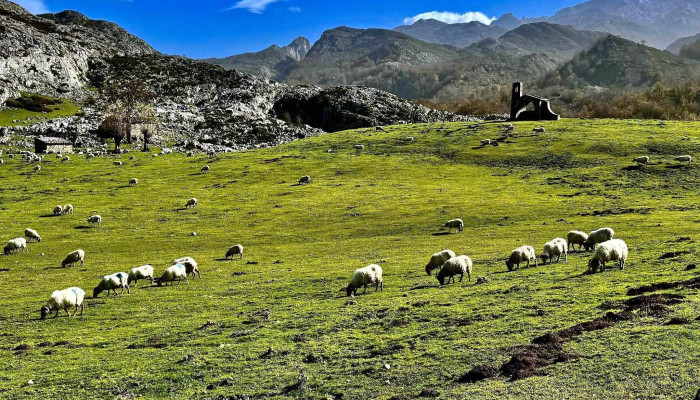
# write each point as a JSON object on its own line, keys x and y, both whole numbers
{"x": 123, "y": 187}
{"x": 4, "y": 270}
{"x": 441, "y": 233}
{"x": 83, "y": 227}
{"x": 181, "y": 209}
{"x": 581, "y": 275}
{"x": 633, "y": 168}
{"x": 222, "y": 259}
{"x": 419, "y": 287}
{"x": 49, "y": 215}
{"x": 53, "y": 268}
{"x": 677, "y": 166}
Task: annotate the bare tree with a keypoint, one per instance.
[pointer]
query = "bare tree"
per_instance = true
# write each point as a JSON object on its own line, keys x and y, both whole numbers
{"x": 129, "y": 99}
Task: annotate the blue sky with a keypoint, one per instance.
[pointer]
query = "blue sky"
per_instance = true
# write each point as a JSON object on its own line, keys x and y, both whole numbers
{"x": 217, "y": 28}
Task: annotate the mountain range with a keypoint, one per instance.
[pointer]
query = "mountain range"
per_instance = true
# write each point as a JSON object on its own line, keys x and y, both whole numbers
{"x": 434, "y": 60}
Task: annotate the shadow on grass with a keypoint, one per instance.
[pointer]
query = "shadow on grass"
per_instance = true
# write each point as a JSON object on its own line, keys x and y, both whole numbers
{"x": 441, "y": 233}
{"x": 678, "y": 166}
{"x": 425, "y": 287}
{"x": 83, "y": 227}
{"x": 4, "y": 270}
{"x": 49, "y": 215}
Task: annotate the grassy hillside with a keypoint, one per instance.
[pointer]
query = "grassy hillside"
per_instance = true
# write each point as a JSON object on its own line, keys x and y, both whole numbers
{"x": 211, "y": 338}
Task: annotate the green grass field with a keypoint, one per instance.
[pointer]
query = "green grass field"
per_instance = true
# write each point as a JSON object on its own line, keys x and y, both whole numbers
{"x": 8, "y": 115}
{"x": 386, "y": 205}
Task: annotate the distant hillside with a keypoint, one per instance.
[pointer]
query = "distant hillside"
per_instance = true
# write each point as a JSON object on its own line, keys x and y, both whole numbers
{"x": 459, "y": 35}
{"x": 616, "y": 62}
{"x": 272, "y": 63}
{"x": 557, "y": 41}
{"x": 676, "y": 46}
{"x": 691, "y": 50}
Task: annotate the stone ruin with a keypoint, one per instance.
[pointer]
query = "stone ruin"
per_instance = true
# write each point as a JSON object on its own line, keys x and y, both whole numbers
{"x": 519, "y": 103}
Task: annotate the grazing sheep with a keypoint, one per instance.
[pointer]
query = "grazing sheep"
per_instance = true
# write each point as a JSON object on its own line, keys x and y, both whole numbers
{"x": 642, "y": 160}
{"x": 172, "y": 274}
{"x": 31, "y": 234}
{"x": 63, "y": 299}
{"x": 305, "y": 180}
{"x": 155, "y": 154}
{"x": 369, "y": 275}
{"x": 204, "y": 169}
{"x": 555, "y": 248}
{"x": 142, "y": 272}
{"x": 456, "y": 224}
{"x": 16, "y": 245}
{"x": 486, "y": 142}
{"x": 455, "y": 266}
{"x": 599, "y": 236}
{"x": 437, "y": 259}
{"x": 359, "y": 147}
{"x": 379, "y": 129}
{"x": 233, "y": 251}
{"x": 190, "y": 266}
{"x": 611, "y": 250}
{"x": 519, "y": 255}
{"x": 58, "y": 210}
{"x": 191, "y": 203}
{"x": 132, "y": 158}
{"x": 12, "y": 156}
{"x": 95, "y": 220}
{"x": 112, "y": 282}
{"x": 37, "y": 168}
{"x": 682, "y": 159}
{"x": 118, "y": 163}
{"x": 576, "y": 238}
{"x": 539, "y": 130}
{"x": 67, "y": 209}
{"x": 65, "y": 159}
{"x": 409, "y": 139}
{"x": 89, "y": 156}
{"x": 73, "y": 258}
{"x": 2, "y": 162}
{"x": 133, "y": 182}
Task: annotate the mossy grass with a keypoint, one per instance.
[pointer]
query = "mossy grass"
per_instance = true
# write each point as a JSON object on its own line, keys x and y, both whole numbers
{"x": 385, "y": 205}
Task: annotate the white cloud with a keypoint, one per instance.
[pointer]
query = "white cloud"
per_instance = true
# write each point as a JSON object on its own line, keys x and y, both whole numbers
{"x": 294, "y": 9}
{"x": 33, "y": 6}
{"x": 254, "y": 6}
{"x": 451, "y": 17}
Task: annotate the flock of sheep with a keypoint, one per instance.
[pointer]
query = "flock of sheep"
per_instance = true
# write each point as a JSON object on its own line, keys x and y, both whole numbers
{"x": 73, "y": 297}
{"x": 446, "y": 264}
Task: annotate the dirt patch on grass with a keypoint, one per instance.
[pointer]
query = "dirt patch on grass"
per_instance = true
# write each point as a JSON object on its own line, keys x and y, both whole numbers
{"x": 530, "y": 359}
{"x": 655, "y": 287}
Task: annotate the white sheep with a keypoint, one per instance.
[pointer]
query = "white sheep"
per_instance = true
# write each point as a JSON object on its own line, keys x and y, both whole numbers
{"x": 233, "y": 251}
{"x": 599, "y": 236}
{"x": 205, "y": 169}
{"x": 16, "y": 245}
{"x": 133, "y": 182}
{"x": 437, "y": 259}
{"x": 359, "y": 147}
{"x": 67, "y": 209}
{"x": 520, "y": 255}
{"x": 65, "y": 159}
{"x": 37, "y": 168}
{"x": 132, "y": 158}
{"x": 486, "y": 142}
{"x": 369, "y": 275}
{"x": 685, "y": 158}
{"x": 456, "y": 224}
{"x": 118, "y": 163}
{"x": 95, "y": 220}
{"x": 191, "y": 203}
{"x": 191, "y": 266}
{"x": 2, "y": 162}
{"x": 409, "y": 139}
{"x": 641, "y": 160}
{"x": 73, "y": 258}
{"x": 112, "y": 282}
{"x": 576, "y": 238}
{"x": 611, "y": 250}
{"x": 539, "y": 130}
{"x": 58, "y": 210}
{"x": 459, "y": 265}
{"x": 305, "y": 180}
{"x": 555, "y": 248}
{"x": 142, "y": 272}
{"x": 175, "y": 273}
{"x": 31, "y": 234}
{"x": 64, "y": 299}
